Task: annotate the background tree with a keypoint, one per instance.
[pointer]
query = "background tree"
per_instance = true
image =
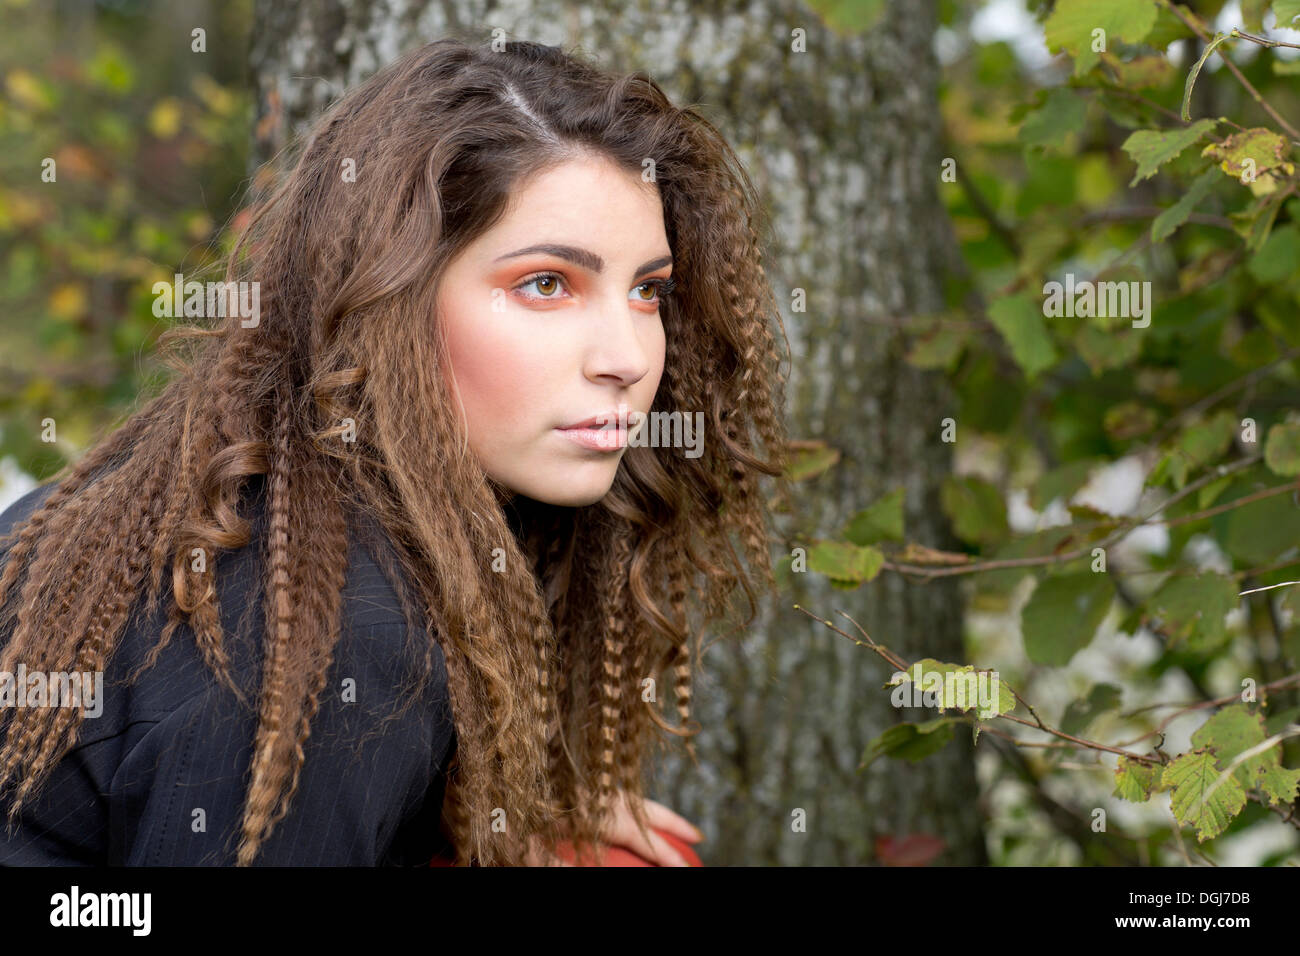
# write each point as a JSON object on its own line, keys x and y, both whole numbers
{"x": 839, "y": 128}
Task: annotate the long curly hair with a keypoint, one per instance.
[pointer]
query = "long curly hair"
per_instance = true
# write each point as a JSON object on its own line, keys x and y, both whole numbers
{"x": 339, "y": 397}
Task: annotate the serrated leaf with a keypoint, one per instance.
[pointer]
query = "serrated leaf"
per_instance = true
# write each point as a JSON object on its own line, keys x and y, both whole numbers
{"x": 1135, "y": 781}
{"x": 882, "y": 521}
{"x": 1279, "y": 784}
{"x": 1282, "y": 449}
{"x": 1072, "y": 22}
{"x": 1256, "y": 151}
{"x": 1062, "y": 615}
{"x": 1202, "y": 797}
{"x": 1232, "y": 730}
{"x": 957, "y": 687}
{"x": 1152, "y": 148}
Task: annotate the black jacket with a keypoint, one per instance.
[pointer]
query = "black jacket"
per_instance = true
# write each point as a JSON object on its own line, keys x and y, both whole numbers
{"x": 160, "y": 777}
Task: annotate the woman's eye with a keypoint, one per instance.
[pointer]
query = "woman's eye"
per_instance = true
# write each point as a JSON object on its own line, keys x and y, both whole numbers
{"x": 548, "y": 284}
{"x": 658, "y": 288}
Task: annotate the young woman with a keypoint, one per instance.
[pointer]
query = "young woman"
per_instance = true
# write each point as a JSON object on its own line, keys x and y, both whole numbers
{"x": 397, "y": 566}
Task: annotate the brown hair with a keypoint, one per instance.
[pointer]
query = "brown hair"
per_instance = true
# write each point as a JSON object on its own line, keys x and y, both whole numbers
{"x": 545, "y": 661}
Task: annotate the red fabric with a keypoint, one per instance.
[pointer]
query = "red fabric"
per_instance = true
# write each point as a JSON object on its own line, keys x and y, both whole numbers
{"x": 613, "y": 856}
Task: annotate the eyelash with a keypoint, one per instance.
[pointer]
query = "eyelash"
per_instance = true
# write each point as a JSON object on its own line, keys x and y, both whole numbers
{"x": 664, "y": 287}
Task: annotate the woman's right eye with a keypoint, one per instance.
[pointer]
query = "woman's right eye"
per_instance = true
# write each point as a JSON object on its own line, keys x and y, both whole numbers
{"x": 548, "y": 284}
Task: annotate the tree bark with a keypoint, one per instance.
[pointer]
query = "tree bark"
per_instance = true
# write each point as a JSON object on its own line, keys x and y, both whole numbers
{"x": 842, "y": 141}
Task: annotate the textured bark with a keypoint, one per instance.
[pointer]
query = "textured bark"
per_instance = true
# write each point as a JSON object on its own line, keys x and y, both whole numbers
{"x": 842, "y": 141}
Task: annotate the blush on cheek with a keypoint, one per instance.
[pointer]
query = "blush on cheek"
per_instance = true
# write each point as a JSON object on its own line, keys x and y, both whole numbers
{"x": 501, "y": 374}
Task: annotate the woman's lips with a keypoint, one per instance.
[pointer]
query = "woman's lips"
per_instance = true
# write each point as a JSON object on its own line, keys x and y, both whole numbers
{"x": 597, "y": 439}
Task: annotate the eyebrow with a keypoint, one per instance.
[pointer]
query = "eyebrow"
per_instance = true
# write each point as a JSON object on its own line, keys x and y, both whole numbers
{"x": 582, "y": 257}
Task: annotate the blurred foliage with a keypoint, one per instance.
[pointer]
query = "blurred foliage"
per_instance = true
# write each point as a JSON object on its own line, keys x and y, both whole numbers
{"x": 123, "y": 151}
{"x": 1128, "y": 155}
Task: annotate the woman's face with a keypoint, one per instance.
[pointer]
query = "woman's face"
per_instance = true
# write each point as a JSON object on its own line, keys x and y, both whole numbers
{"x": 551, "y": 317}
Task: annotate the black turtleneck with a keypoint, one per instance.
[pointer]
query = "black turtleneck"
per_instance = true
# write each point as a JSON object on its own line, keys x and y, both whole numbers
{"x": 160, "y": 777}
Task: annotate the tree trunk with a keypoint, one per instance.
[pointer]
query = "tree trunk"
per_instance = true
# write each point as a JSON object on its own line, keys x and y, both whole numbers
{"x": 842, "y": 140}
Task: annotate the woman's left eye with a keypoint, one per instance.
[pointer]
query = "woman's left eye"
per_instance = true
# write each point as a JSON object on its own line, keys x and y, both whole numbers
{"x": 661, "y": 288}
{"x": 548, "y": 279}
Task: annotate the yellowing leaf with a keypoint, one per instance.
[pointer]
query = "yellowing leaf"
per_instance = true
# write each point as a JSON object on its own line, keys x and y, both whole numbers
{"x": 165, "y": 118}
{"x": 1134, "y": 780}
{"x": 68, "y": 301}
{"x": 1202, "y": 797}
{"x": 1252, "y": 152}
{"x": 1282, "y": 449}
{"x": 26, "y": 90}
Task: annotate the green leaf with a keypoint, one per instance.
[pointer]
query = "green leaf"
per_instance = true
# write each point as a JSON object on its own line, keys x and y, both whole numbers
{"x": 910, "y": 741}
{"x": 1168, "y": 221}
{"x": 957, "y": 687}
{"x": 1061, "y": 482}
{"x": 1081, "y": 713}
{"x": 1072, "y": 22}
{"x": 1252, "y": 14}
{"x": 809, "y": 459}
{"x": 1279, "y": 784}
{"x": 1259, "y": 532}
{"x": 1062, "y": 115}
{"x": 1144, "y": 72}
{"x": 882, "y": 521}
{"x": 844, "y": 562}
{"x": 1277, "y": 258}
{"x": 1229, "y": 732}
{"x": 850, "y": 16}
{"x": 1020, "y": 320}
{"x": 1135, "y": 781}
{"x": 1063, "y": 614}
{"x": 1169, "y": 28}
{"x": 1286, "y": 12}
{"x": 976, "y": 508}
{"x": 941, "y": 346}
{"x": 1282, "y": 449}
{"x": 1152, "y": 148}
{"x": 1195, "y": 803}
{"x": 1193, "y": 448}
{"x": 1196, "y": 70}
{"x": 1192, "y": 608}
